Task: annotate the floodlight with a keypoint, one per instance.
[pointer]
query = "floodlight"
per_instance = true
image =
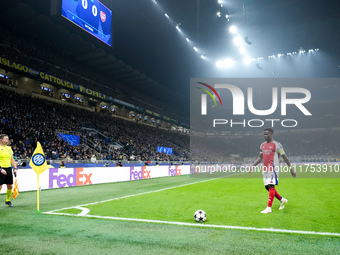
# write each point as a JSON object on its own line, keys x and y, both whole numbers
{"x": 233, "y": 29}
{"x": 238, "y": 40}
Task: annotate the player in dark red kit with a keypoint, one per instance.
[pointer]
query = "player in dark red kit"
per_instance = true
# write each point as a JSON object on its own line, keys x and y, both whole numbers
{"x": 270, "y": 153}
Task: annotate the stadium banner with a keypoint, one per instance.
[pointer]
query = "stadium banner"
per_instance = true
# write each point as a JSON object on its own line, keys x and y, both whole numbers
{"x": 71, "y": 139}
{"x": 131, "y": 106}
{"x": 153, "y": 113}
{"x": 69, "y": 177}
{"x": 91, "y": 93}
{"x": 14, "y": 65}
{"x": 6, "y": 63}
{"x": 59, "y": 81}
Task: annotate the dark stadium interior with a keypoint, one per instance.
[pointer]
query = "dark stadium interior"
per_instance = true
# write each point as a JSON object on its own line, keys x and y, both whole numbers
{"x": 150, "y": 65}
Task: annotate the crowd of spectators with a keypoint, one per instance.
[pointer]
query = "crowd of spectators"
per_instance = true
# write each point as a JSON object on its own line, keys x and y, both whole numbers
{"x": 28, "y": 120}
{"x": 306, "y": 145}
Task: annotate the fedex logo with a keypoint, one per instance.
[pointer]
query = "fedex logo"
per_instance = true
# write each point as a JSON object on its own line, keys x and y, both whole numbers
{"x": 139, "y": 173}
{"x": 76, "y": 179}
{"x": 174, "y": 170}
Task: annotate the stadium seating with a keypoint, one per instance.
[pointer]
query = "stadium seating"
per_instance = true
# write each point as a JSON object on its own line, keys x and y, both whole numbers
{"x": 28, "y": 120}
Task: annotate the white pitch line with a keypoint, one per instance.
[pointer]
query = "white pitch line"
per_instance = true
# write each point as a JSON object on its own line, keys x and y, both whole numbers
{"x": 133, "y": 195}
{"x": 287, "y": 231}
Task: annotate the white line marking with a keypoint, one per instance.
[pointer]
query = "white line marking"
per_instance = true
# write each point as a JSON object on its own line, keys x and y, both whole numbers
{"x": 205, "y": 225}
{"x": 133, "y": 195}
{"x": 84, "y": 211}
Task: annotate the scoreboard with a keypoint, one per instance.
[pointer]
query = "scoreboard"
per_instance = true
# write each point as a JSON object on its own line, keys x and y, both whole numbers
{"x": 90, "y": 15}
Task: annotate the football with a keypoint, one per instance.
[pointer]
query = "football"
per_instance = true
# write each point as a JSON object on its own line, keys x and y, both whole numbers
{"x": 200, "y": 216}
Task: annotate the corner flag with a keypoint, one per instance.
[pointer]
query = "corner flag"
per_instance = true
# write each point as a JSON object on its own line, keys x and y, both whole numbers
{"x": 39, "y": 165}
{"x": 38, "y": 160}
{"x": 16, "y": 189}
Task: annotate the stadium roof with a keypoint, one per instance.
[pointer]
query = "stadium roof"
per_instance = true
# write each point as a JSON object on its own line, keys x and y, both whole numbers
{"x": 151, "y": 54}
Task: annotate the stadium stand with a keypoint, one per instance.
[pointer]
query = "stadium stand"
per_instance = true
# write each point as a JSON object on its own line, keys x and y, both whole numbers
{"x": 244, "y": 148}
{"x": 29, "y": 120}
{"x": 16, "y": 49}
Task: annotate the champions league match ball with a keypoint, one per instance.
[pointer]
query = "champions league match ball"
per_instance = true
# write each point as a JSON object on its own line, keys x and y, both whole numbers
{"x": 200, "y": 216}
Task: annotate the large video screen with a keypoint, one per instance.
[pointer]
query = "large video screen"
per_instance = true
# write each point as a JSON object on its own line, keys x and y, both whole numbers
{"x": 90, "y": 15}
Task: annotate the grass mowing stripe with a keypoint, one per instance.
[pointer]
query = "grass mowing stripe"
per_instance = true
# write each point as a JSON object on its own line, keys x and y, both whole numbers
{"x": 236, "y": 202}
{"x": 287, "y": 231}
{"x": 23, "y": 231}
{"x": 133, "y": 195}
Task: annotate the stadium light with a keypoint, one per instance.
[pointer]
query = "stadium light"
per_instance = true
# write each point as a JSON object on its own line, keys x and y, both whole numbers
{"x": 219, "y": 64}
{"x": 233, "y": 29}
{"x": 225, "y": 63}
{"x": 229, "y": 62}
{"x": 242, "y": 50}
{"x": 247, "y": 60}
{"x": 238, "y": 40}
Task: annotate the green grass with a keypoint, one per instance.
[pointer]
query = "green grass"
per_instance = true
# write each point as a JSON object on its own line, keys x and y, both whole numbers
{"x": 313, "y": 205}
{"x": 237, "y": 202}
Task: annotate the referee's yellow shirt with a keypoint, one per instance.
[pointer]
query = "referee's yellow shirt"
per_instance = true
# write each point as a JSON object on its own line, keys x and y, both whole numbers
{"x": 5, "y": 156}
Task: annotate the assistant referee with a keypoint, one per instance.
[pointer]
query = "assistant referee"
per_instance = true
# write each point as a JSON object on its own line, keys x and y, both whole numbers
{"x": 6, "y": 161}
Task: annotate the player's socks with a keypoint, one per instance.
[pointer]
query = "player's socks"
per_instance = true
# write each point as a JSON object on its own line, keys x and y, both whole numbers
{"x": 277, "y": 195}
{"x": 8, "y": 194}
{"x": 271, "y": 196}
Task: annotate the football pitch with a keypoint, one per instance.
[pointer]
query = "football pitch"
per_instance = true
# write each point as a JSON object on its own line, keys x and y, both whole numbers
{"x": 155, "y": 216}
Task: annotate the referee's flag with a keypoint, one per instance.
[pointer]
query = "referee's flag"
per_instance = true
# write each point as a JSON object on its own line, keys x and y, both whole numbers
{"x": 16, "y": 189}
{"x": 38, "y": 160}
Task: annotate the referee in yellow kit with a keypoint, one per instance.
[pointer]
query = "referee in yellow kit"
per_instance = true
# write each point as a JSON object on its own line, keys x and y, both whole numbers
{"x": 6, "y": 160}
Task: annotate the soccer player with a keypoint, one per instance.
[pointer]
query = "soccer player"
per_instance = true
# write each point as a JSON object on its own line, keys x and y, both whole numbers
{"x": 6, "y": 160}
{"x": 270, "y": 152}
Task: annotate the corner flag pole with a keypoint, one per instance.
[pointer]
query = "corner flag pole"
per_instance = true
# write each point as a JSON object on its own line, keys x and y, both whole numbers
{"x": 37, "y": 193}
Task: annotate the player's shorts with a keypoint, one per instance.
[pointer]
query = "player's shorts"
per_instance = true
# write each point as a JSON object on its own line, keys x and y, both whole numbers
{"x": 270, "y": 178}
{"x": 6, "y": 179}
